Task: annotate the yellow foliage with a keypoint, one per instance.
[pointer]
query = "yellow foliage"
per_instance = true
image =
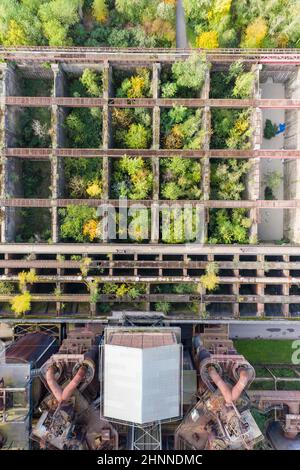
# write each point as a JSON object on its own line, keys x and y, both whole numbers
{"x": 90, "y": 229}
{"x": 137, "y": 87}
{"x": 15, "y": 35}
{"x": 122, "y": 290}
{"x": 210, "y": 280}
{"x": 28, "y": 277}
{"x": 170, "y": 2}
{"x": 21, "y": 303}
{"x": 94, "y": 189}
{"x": 208, "y": 40}
{"x": 255, "y": 33}
{"x": 220, "y": 9}
{"x": 100, "y": 11}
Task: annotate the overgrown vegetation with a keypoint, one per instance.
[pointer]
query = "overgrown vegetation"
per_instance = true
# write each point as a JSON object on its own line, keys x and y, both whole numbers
{"x": 132, "y": 128}
{"x": 229, "y": 226}
{"x": 88, "y": 84}
{"x": 33, "y": 225}
{"x": 21, "y": 303}
{"x": 236, "y": 83}
{"x": 181, "y": 128}
{"x": 230, "y": 129}
{"x": 132, "y": 85}
{"x": 132, "y": 178}
{"x": 83, "y": 128}
{"x": 180, "y": 178}
{"x": 79, "y": 224}
{"x": 34, "y": 128}
{"x": 115, "y": 23}
{"x": 228, "y": 178}
{"x": 132, "y": 290}
{"x": 243, "y": 23}
{"x": 185, "y": 78}
{"x": 83, "y": 177}
{"x": 179, "y": 225}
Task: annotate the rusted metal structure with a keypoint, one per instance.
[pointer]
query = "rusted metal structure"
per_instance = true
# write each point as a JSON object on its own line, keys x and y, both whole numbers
{"x": 70, "y": 419}
{"x": 258, "y": 280}
{"x": 221, "y": 418}
{"x": 20, "y": 388}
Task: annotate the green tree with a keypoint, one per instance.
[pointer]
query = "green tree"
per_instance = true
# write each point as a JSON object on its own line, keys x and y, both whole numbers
{"x": 73, "y": 220}
{"x": 137, "y": 137}
{"x": 100, "y": 11}
{"x": 190, "y": 73}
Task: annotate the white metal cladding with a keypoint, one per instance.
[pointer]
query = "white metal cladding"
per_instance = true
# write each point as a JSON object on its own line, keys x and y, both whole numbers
{"x": 142, "y": 385}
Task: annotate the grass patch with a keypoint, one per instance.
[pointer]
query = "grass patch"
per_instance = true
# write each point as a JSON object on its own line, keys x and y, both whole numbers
{"x": 265, "y": 350}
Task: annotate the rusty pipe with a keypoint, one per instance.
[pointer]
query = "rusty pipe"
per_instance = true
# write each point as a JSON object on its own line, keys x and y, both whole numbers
{"x": 222, "y": 386}
{"x": 71, "y": 387}
{"x": 52, "y": 383}
{"x": 240, "y": 385}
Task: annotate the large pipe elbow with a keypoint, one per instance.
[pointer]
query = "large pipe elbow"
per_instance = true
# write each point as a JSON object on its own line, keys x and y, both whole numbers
{"x": 71, "y": 387}
{"x": 52, "y": 383}
{"x": 222, "y": 386}
{"x": 240, "y": 385}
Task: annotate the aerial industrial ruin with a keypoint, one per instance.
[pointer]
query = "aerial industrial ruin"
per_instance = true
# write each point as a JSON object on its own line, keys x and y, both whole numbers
{"x": 138, "y": 388}
{"x": 255, "y": 280}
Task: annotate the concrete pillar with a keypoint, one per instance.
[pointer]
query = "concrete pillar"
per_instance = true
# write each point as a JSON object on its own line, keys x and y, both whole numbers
{"x": 260, "y": 288}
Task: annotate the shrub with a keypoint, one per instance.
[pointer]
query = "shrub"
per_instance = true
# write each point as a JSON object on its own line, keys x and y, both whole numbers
{"x": 83, "y": 127}
{"x": 190, "y": 73}
{"x": 137, "y": 137}
{"x": 181, "y": 178}
{"x": 270, "y": 129}
{"x": 164, "y": 307}
{"x": 21, "y": 303}
{"x": 208, "y": 40}
{"x": 181, "y": 128}
{"x": 179, "y": 225}
{"x": 210, "y": 280}
{"x": 100, "y": 11}
{"x": 231, "y": 129}
{"x": 227, "y": 179}
{"x": 83, "y": 177}
{"x": 229, "y": 226}
{"x": 132, "y": 178}
{"x": 136, "y": 86}
{"x": 132, "y": 128}
{"x": 255, "y": 33}
{"x": 75, "y": 219}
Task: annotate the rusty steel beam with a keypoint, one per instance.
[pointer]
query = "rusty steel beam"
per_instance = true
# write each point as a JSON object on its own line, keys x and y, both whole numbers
{"x": 141, "y": 264}
{"x": 38, "y": 101}
{"x": 44, "y": 153}
{"x": 85, "y": 54}
{"x": 217, "y": 204}
{"x": 174, "y": 298}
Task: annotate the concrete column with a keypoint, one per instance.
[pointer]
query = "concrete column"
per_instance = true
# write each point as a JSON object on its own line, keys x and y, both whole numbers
{"x": 260, "y": 288}
{"x": 106, "y": 133}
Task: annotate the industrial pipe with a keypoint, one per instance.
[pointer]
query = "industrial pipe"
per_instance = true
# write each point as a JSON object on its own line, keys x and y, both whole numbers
{"x": 60, "y": 394}
{"x": 71, "y": 387}
{"x": 222, "y": 386}
{"x": 240, "y": 385}
{"x": 52, "y": 383}
{"x": 230, "y": 396}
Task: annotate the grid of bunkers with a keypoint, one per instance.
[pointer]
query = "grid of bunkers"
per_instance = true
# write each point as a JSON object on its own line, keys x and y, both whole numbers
{"x": 258, "y": 279}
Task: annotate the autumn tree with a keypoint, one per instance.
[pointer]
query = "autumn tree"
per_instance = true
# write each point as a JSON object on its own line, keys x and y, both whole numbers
{"x": 208, "y": 40}
{"x": 100, "y": 11}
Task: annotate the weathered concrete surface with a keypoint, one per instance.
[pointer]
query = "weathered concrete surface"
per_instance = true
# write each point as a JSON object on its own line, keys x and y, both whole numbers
{"x": 263, "y": 330}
